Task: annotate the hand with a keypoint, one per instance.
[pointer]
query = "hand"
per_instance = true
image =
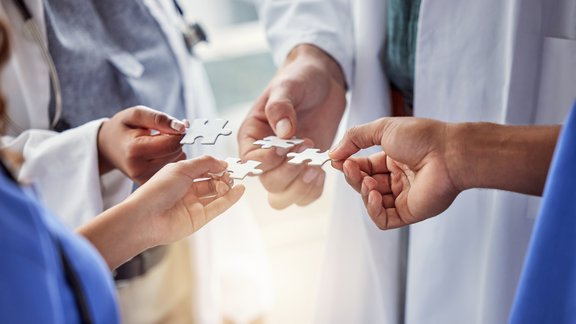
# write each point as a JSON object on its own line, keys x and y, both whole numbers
{"x": 125, "y": 142}
{"x": 411, "y": 181}
{"x": 175, "y": 205}
{"x": 167, "y": 208}
{"x": 306, "y": 99}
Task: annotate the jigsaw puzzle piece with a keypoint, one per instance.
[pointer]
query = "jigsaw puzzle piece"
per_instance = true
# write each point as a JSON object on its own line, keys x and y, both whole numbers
{"x": 275, "y": 141}
{"x": 207, "y": 129}
{"x": 239, "y": 170}
{"x": 314, "y": 156}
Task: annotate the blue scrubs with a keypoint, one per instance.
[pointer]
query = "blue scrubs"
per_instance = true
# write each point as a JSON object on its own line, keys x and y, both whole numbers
{"x": 547, "y": 288}
{"x": 34, "y": 286}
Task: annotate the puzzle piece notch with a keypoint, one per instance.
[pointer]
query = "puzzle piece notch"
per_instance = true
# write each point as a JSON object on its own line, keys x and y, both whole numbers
{"x": 275, "y": 141}
{"x": 314, "y": 156}
{"x": 207, "y": 129}
{"x": 239, "y": 170}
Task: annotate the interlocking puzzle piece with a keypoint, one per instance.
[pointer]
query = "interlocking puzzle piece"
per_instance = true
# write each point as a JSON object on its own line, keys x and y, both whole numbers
{"x": 207, "y": 129}
{"x": 275, "y": 141}
{"x": 239, "y": 170}
{"x": 314, "y": 156}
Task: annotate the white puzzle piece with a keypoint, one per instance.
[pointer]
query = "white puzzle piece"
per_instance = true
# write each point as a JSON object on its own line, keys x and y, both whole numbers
{"x": 275, "y": 141}
{"x": 207, "y": 129}
{"x": 314, "y": 156}
{"x": 239, "y": 170}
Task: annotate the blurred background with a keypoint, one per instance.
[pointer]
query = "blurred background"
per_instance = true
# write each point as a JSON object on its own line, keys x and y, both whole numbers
{"x": 239, "y": 67}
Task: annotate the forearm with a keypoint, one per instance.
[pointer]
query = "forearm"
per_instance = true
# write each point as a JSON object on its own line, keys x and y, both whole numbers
{"x": 118, "y": 234}
{"x": 512, "y": 158}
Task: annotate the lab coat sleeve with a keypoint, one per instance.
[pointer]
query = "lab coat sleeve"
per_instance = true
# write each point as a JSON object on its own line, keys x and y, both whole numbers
{"x": 327, "y": 24}
{"x": 63, "y": 168}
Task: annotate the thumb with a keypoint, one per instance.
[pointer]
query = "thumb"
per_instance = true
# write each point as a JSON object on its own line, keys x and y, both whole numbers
{"x": 359, "y": 137}
{"x": 280, "y": 110}
{"x": 144, "y": 117}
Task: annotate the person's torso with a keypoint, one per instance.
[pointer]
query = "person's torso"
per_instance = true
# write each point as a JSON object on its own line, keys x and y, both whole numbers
{"x": 110, "y": 55}
{"x": 36, "y": 285}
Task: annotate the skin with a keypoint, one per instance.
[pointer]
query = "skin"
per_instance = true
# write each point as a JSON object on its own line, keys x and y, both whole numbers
{"x": 125, "y": 142}
{"x": 167, "y": 208}
{"x": 425, "y": 164}
{"x": 307, "y": 91}
{"x": 171, "y": 205}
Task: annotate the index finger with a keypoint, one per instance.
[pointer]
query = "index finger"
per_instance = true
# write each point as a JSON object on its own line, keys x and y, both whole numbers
{"x": 359, "y": 137}
{"x": 147, "y": 118}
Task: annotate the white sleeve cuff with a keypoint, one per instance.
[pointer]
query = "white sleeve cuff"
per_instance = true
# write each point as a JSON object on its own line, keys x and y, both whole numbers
{"x": 63, "y": 168}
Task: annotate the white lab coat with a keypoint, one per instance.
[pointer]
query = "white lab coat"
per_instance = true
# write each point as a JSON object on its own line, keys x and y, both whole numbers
{"x": 491, "y": 60}
{"x": 64, "y": 167}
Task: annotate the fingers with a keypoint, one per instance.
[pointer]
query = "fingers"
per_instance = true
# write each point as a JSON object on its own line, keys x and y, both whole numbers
{"x": 201, "y": 166}
{"x": 279, "y": 176}
{"x": 280, "y": 108}
{"x": 155, "y": 147}
{"x": 221, "y": 204}
{"x": 352, "y": 174}
{"x": 256, "y": 128}
{"x": 356, "y": 169}
{"x": 359, "y": 137}
{"x": 207, "y": 190}
{"x": 315, "y": 192}
{"x": 147, "y": 118}
{"x": 302, "y": 191}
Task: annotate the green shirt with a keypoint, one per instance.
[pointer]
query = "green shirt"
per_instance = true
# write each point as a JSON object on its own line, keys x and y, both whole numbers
{"x": 400, "y": 47}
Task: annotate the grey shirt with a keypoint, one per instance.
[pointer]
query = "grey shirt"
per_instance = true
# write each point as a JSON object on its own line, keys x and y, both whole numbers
{"x": 110, "y": 55}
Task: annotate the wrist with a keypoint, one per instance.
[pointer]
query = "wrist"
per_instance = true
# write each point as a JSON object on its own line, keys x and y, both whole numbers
{"x": 461, "y": 157}
{"x": 316, "y": 54}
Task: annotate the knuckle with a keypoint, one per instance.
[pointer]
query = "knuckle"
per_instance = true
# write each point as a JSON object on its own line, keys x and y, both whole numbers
{"x": 207, "y": 158}
{"x": 291, "y": 84}
{"x": 160, "y": 118}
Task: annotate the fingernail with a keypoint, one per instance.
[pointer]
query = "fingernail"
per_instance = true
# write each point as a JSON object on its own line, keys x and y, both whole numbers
{"x": 177, "y": 125}
{"x": 283, "y": 127}
{"x": 310, "y": 175}
{"x": 280, "y": 151}
{"x": 370, "y": 200}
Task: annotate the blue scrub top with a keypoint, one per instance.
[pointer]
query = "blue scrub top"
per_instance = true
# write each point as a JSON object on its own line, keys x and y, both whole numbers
{"x": 33, "y": 283}
{"x": 547, "y": 288}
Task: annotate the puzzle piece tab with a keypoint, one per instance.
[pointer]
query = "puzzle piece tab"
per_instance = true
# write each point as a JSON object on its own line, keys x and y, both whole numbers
{"x": 207, "y": 129}
{"x": 239, "y": 170}
{"x": 275, "y": 141}
{"x": 314, "y": 156}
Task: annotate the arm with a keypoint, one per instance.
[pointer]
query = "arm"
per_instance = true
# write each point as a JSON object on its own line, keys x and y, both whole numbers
{"x": 512, "y": 158}
{"x": 427, "y": 163}
{"x": 169, "y": 207}
{"x": 63, "y": 164}
{"x": 314, "y": 41}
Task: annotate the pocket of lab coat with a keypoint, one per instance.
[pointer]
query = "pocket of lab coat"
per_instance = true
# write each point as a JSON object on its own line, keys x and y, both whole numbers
{"x": 128, "y": 75}
{"x": 557, "y": 91}
{"x": 126, "y": 64}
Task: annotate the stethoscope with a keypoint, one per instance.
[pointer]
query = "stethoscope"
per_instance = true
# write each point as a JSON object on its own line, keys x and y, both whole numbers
{"x": 33, "y": 29}
{"x": 192, "y": 33}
